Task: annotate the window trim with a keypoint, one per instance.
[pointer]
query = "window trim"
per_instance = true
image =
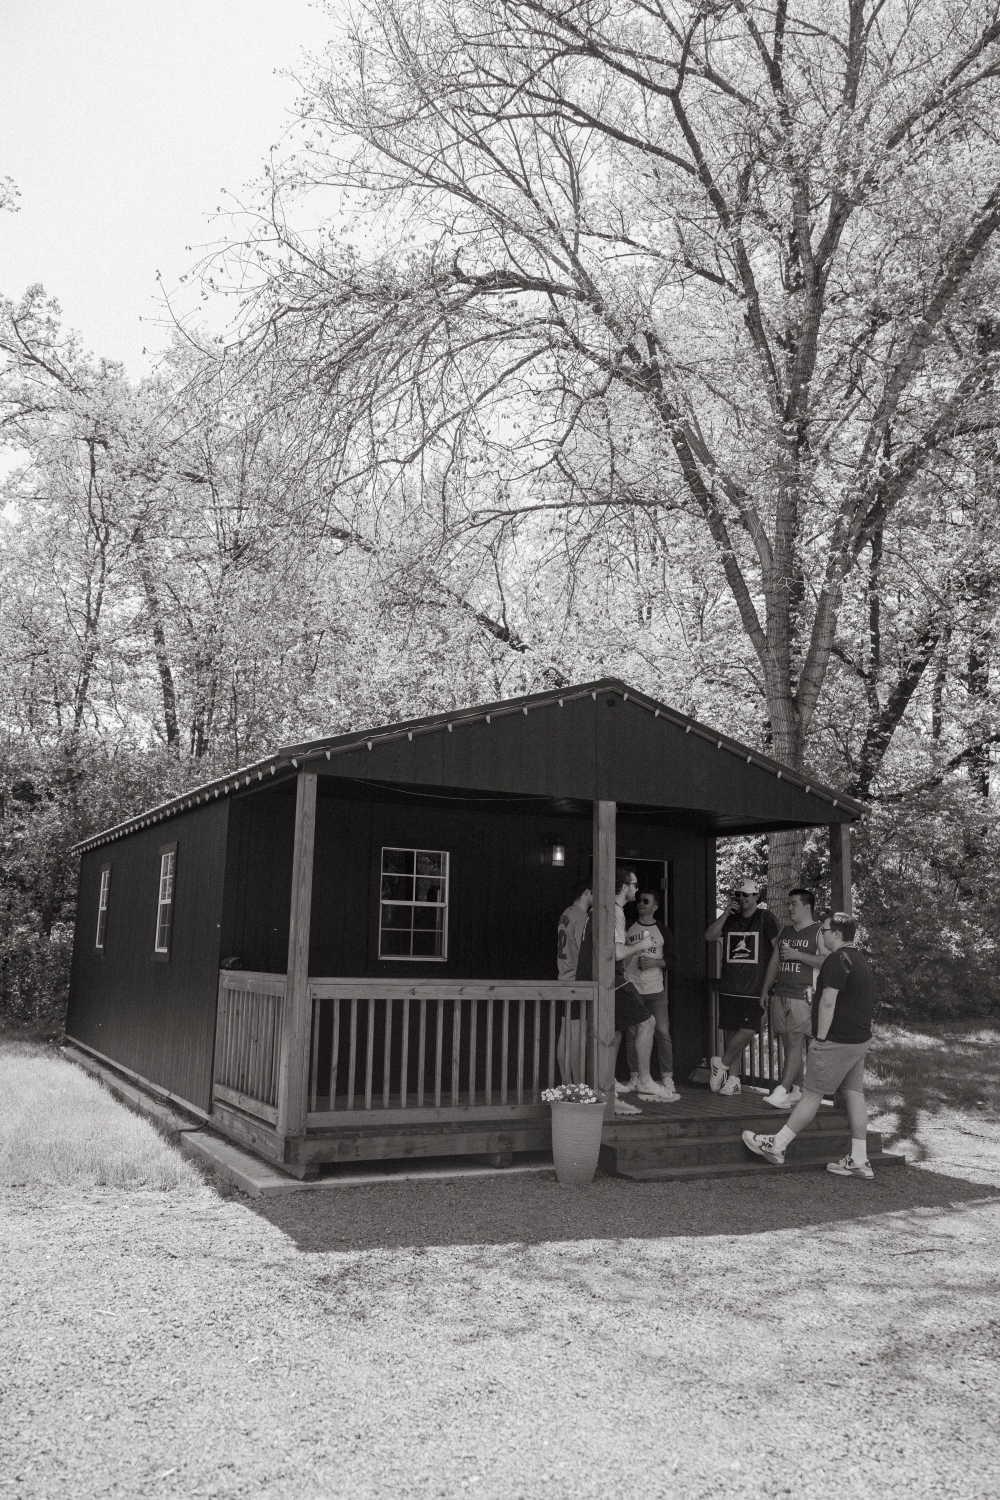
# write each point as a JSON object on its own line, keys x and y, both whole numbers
{"x": 162, "y": 955}
{"x": 103, "y": 898}
{"x": 415, "y": 958}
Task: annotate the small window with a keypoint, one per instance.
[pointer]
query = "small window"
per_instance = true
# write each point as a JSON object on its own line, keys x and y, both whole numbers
{"x": 165, "y": 900}
{"x": 414, "y": 904}
{"x": 102, "y": 906}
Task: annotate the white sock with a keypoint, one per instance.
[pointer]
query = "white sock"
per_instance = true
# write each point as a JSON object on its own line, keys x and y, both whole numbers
{"x": 859, "y": 1151}
{"x": 783, "y": 1138}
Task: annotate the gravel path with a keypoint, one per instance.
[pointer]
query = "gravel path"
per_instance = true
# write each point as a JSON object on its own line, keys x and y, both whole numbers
{"x": 804, "y": 1336}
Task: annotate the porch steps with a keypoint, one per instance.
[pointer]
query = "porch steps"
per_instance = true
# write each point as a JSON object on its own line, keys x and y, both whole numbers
{"x": 703, "y": 1138}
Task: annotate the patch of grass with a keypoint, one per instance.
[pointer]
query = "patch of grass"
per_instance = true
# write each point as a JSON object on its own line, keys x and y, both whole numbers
{"x": 946, "y": 1070}
{"x": 59, "y": 1128}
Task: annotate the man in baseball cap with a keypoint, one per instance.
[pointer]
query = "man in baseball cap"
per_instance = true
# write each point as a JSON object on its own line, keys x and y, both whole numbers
{"x": 748, "y": 932}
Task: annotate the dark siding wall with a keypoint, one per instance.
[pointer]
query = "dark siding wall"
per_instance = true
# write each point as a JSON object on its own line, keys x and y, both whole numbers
{"x": 259, "y": 880}
{"x": 505, "y": 895}
{"x": 157, "y": 1018}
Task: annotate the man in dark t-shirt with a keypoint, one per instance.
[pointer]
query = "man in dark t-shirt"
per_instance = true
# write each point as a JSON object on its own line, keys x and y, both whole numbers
{"x": 842, "y": 1034}
{"x": 748, "y": 932}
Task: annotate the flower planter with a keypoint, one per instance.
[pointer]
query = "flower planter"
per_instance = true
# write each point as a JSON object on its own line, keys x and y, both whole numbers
{"x": 576, "y": 1141}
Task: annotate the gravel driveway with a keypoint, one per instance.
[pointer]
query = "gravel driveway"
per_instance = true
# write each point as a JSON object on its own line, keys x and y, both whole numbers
{"x": 803, "y": 1336}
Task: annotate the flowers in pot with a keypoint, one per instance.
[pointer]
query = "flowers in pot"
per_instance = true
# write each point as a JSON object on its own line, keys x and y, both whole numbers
{"x": 577, "y": 1122}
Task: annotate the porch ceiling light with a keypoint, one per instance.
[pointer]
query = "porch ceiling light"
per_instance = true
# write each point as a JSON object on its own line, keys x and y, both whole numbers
{"x": 558, "y": 854}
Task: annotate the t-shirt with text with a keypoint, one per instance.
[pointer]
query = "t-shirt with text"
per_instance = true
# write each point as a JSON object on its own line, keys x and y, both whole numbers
{"x": 848, "y": 972}
{"x": 747, "y": 945}
{"x": 649, "y": 981}
{"x": 793, "y": 978}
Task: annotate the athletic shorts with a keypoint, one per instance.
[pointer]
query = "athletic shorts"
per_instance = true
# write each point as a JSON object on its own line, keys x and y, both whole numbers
{"x": 629, "y": 1009}
{"x": 740, "y": 1013}
{"x": 791, "y": 1015}
{"x": 835, "y": 1065}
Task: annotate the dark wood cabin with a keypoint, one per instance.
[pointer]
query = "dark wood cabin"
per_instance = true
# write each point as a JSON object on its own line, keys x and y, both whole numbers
{"x": 347, "y": 950}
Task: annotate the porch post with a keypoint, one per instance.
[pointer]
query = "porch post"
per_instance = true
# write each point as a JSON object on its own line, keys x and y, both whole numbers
{"x": 840, "y": 868}
{"x": 605, "y": 818}
{"x": 296, "y": 1022}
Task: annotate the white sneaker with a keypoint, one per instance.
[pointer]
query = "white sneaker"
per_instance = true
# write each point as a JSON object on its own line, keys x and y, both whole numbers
{"x": 621, "y": 1108}
{"x": 781, "y": 1099}
{"x": 848, "y": 1167}
{"x": 626, "y": 1088}
{"x": 763, "y": 1145}
{"x": 653, "y": 1090}
{"x": 718, "y": 1076}
{"x": 795, "y": 1095}
{"x": 731, "y": 1086}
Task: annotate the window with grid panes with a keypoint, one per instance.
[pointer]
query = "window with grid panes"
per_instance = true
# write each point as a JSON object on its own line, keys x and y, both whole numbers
{"x": 413, "y": 915}
{"x": 165, "y": 900}
{"x": 102, "y": 906}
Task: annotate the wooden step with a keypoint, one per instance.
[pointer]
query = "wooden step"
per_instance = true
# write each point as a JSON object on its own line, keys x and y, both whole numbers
{"x": 750, "y": 1168}
{"x": 670, "y": 1152}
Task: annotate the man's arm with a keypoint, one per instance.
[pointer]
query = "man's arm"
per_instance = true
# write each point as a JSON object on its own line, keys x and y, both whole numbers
{"x": 770, "y": 974}
{"x": 713, "y": 933}
{"x": 814, "y": 960}
{"x": 824, "y": 1019}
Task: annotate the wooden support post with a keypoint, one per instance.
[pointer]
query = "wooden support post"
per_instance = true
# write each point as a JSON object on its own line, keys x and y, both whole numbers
{"x": 296, "y": 1022}
{"x": 840, "y": 868}
{"x": 604, "y": 948}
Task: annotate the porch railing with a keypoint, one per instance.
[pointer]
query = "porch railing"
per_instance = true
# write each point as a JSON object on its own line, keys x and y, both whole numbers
{"x": 248, "y": 1041}
{"x": 441, "y": 1049}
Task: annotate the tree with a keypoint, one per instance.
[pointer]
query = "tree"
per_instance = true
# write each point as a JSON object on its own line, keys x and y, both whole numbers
{"x": 725, "y": 260}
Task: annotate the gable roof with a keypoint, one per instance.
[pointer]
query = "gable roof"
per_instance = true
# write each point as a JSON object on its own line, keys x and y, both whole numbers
{"x": 598, "y": 740}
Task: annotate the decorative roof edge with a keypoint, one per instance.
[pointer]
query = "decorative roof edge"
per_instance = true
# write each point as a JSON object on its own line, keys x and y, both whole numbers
{"x": 294, "y": 757}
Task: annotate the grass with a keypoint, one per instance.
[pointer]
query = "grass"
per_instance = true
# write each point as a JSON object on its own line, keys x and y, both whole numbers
{"x": 935, "y": 1081}
{"x": 59, "y": 1128}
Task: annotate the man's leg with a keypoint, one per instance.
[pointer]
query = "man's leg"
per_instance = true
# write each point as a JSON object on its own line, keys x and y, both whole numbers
{"x": 622, "y": 1107}
{"x": 792, "y": 1067}
{"x": 737, "y": 1047}
{"x": 630, "y": 1056}
{"x": 773, "y": 1147}
{"x": 568, "y": 1052}
{"x": 659, "y": 1005}
{"x": 644, "y": 1049}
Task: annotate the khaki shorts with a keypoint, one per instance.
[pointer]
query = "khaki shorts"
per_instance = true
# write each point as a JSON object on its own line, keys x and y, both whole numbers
{"x": 835, "y": 1065}
{"x": 791, "y": 1015}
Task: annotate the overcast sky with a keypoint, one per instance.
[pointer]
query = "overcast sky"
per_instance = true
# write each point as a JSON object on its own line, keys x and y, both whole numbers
{"x": 121, "y": 121}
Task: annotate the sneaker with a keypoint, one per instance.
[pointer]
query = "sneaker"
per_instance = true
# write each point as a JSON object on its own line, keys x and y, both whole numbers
{"x": 795, "y": 1095}
{"x": 781, "y": 1099}
{"x": 763, "y": 1145}
{"x": 731, "y": 1086}
{"x": 626, "y": 1088}
{"x": 653, "y": 1090}
{"x": 827, "y": 1099}
{"x": 718, "y": 1075}
{"x": 848, "y": 1167}
{"x": 621, "y": 1108}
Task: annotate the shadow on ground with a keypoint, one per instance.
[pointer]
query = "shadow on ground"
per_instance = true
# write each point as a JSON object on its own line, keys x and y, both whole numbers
{"x": 536, "y": 1210}
{"x": 914, "y": 1073}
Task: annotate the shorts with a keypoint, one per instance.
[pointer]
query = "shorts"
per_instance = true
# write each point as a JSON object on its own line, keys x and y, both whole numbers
{"x": 629, "y": 1009}
{"x": 740, "y": 1013}
{"x": 835, "y": 1065}
{"x": 791, "y": 1015}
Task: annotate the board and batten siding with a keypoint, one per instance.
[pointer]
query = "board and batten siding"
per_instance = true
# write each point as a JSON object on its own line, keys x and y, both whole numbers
{"x": 153, "y": 1016}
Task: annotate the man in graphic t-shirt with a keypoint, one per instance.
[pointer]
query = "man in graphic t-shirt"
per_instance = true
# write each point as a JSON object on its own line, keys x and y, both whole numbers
{"x": 647, "y": 973}
{"x": 788, "y": 983}
{"x": 748, "y": 932}
{"x": 842, "y": 1032}
{"x": 569, "y": 936}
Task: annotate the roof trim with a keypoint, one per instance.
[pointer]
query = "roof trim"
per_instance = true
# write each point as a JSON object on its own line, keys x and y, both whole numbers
{"x": 293, "y": 757}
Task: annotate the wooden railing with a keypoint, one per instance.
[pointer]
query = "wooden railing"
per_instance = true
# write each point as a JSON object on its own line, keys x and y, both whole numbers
{"x": 248, "y": 1040}
{"x": 441, "y": 1049}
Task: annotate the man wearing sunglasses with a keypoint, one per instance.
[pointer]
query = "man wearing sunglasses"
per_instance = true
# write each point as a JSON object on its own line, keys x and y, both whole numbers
{"x": 842, "y": 1028}
{"x": 748, "y": 932}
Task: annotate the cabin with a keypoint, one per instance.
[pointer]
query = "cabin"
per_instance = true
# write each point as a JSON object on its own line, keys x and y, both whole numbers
{"x": 346, "y": 951}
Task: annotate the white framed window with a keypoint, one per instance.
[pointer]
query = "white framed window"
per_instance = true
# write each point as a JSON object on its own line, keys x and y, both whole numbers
{"x": 165, "y": 900}
{"x": 413, "y": 911}
{"x": 102, "y": 906}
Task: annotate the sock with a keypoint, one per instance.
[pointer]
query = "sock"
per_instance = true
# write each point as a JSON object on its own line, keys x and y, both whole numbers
{"x": 783, "y": 1138}
{"x": 859, "y": 1151}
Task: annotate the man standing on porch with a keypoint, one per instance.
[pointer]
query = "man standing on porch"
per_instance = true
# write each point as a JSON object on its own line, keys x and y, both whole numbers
{"x": 748, "y": 933}
{"x": 630, "y": 1006}
{"x": 572, "y": 926}
{"x": 788, "y": 983}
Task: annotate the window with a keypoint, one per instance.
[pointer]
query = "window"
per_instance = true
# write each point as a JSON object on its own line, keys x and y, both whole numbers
{"x": 414, "y": 904}
{"x": 102, "y": 906}
{"x": 165, "y": 900}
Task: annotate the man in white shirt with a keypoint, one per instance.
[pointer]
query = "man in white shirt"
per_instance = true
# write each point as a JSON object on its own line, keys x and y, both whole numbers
{"x": 570, "y": 1048}
{"x": 647, "y": 973}
{"x": 631, "y": 1009}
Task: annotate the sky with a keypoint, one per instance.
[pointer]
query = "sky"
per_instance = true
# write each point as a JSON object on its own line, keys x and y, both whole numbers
{"x": 121, "y": 122}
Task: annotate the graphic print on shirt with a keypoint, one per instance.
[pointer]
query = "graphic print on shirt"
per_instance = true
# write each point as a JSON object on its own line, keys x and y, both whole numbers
{"x": 742, "y": 947}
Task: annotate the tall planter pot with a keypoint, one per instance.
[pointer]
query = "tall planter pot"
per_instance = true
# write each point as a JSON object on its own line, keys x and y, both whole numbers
{"x": 576, "y": 1141}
